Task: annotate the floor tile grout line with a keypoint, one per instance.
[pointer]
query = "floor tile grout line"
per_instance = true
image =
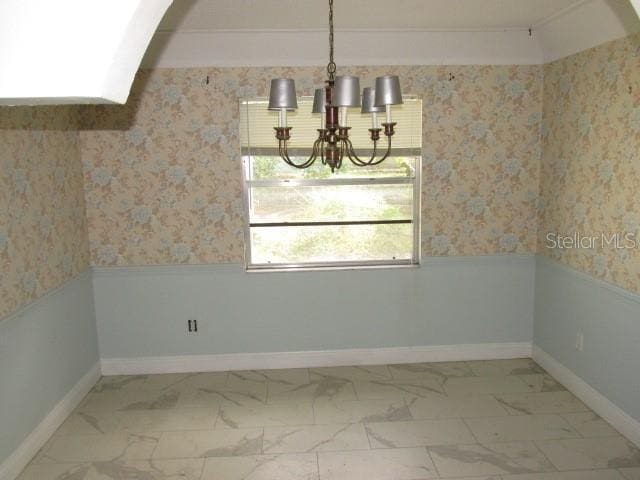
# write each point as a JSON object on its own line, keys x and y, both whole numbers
{"x": 138, "y": 431}
{"x": 477, "y": 443}
{"x": 143, "y": 430}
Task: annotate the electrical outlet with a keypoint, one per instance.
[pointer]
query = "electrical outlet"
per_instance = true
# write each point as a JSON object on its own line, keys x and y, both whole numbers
{"x": 192, "y": 326}
{"x": 580, "y": 341}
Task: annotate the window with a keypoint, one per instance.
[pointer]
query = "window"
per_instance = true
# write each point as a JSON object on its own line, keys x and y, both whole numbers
{"x": 358, "y": 216}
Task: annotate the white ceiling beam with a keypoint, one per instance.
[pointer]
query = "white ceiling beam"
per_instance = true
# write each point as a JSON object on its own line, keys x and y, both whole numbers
{"x": 73, "y": 51}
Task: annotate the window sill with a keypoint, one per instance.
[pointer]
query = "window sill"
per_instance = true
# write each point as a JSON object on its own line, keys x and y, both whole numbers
{"x": 306, "y": 267}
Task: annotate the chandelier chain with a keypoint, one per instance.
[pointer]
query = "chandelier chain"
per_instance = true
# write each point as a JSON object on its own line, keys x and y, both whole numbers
{"x": 331, "y": 67}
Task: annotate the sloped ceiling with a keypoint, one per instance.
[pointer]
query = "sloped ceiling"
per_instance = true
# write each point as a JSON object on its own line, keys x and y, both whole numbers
{"x": 294, "y": 32}
{"x": 189, "y": 15}
{"x": 73, "y": 51}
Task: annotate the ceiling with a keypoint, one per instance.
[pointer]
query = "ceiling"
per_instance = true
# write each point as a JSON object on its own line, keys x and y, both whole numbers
{"x": 215, "y": 15}
{"x": 234, "y": 33}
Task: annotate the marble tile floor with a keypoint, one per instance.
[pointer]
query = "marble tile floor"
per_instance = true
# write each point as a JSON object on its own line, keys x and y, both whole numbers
{"x": 484, "y": 420}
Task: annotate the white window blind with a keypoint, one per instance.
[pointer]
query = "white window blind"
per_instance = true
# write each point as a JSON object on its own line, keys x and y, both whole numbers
{"x": 257, "y": 135}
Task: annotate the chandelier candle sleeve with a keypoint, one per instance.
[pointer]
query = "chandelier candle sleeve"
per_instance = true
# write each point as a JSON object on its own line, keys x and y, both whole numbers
{"x": 343, "y": 117}
{"x": 319, "y": 103}
{"x": 368, "y": 105}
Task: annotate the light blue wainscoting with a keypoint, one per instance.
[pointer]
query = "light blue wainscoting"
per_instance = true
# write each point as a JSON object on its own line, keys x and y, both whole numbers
{"x": 45, "y": 349}
{"x": 143, "y": 311}
{"x": 568, "y": 302}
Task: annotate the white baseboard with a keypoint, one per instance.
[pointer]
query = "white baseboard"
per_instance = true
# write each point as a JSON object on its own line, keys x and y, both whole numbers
{"x": 19, "y": 459}
{"x": 328, "y": 358}
{"x": 600, "y": 404}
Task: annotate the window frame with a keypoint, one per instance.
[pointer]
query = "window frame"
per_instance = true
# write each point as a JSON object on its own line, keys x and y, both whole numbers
{"x": 415, "y": 180}
{"x": 414, "y": 261}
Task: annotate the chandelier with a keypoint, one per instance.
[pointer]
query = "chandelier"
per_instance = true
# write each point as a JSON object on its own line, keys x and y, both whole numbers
{"x": 332, "y": 103}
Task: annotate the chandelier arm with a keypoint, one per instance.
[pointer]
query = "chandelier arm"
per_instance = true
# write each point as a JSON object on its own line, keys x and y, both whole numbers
{"x": 342, "y": 150}
{"x": 316, "y": 151}
{"x": 352, "y": 156}
{"x": 284, "y": 154}
{"x": 386, "y": 154}
{"x": 372, "y": 160}
{"x": 324, "y": 160}
{"x": 282, "y": 150}
{"x": 357, "y": 160}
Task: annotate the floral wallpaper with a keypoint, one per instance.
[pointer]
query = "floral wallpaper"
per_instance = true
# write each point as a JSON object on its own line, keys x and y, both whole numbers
{"x": 43, "y": 234}
{"x": 163, "y": 173}
{"x": 590, "y": 172}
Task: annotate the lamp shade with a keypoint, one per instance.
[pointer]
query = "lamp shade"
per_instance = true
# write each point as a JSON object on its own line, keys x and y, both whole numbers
{"x": 319, "y": 101}
{"x": 346, "y": 92}
{"x": 369, "y": 101}
{"x": 388, "y": 91}
{"x": 283, "y": 94}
